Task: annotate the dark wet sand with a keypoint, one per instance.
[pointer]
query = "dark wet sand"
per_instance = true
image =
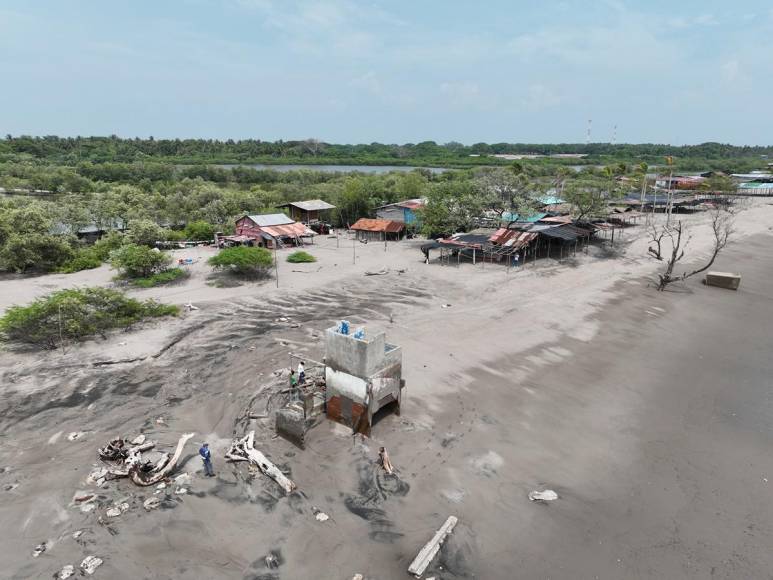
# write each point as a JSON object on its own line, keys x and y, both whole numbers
{"x": 656, "y": 435}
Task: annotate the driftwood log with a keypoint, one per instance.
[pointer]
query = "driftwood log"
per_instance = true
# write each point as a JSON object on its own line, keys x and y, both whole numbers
{"x": 244, "y": 450}
{"x": 126, "y": 461}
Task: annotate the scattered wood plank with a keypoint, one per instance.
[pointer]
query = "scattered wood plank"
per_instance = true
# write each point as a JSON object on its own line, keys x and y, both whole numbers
{"x": 429, "y": 551}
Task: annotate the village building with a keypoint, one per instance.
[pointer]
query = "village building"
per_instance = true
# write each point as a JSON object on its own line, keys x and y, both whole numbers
{"x": 315, "y": 213}
{"x": 377, "y": 229}
{"x": 269, "y": 231}
{"x": 402, "y": 211}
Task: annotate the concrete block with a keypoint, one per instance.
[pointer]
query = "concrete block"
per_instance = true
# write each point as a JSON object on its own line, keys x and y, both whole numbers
{"x": 723, "y": 280}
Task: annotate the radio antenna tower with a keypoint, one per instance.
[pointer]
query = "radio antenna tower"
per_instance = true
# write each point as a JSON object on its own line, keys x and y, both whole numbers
{"x": 614, "y": 135}
{"x": 587, "y": 138}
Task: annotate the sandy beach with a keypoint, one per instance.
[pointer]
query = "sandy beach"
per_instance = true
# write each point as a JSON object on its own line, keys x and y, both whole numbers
{"x": 649, "y": 414}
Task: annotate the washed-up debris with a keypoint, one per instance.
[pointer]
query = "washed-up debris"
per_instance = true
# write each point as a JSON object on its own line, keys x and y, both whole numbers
{"x": 90, "y": 564}
{"x": 88, "y": 507}
{"x": 190, "y": 307}
{"x": 96, "y": 475}
{"x": 319, "y": 514}
{"x": 445, "y": 306}
{"x": 545, "y": 495}
{"x": 39, "y": 549}
{"x": 80, "y": 497}
{"x": 77, "y": 534}
{"x": 139, "y": 439}
{"x": 243, "y": 450}
{"x": 151, "y": 503}
{"x": 429, "y": 551}
{"x": 117, "y": 510}
{"x": 75, "y": 435}
{"x": 160, "y": 421}
{"x": 272, "y": 561}
{"x": 357, "y": 577}
{"x": 65, "y": 572}
{"x": 381, "y": 272}
{"x": 383, "y": 461}
{"x": 181, "y": 490}
{"x": 126, "y": 461}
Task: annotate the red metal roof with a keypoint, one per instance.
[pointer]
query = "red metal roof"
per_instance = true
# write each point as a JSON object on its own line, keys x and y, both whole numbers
{"x": 411, "y": 203}
{"x": 371, "y": 225}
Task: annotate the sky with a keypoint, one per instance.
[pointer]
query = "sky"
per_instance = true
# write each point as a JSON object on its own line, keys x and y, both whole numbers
{"x": 391, "y": 71}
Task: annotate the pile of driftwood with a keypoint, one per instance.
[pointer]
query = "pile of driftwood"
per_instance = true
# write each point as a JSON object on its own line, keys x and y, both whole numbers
{"x": 124, "y": 459}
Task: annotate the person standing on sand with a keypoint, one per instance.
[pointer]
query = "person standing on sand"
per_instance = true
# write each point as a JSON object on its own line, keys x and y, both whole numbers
{"x": 301, "y": 373}
{"x": 206, "y": 456}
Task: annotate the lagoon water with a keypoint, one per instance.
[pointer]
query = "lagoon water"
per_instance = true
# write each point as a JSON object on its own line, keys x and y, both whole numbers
{"x": 338, "y": 168}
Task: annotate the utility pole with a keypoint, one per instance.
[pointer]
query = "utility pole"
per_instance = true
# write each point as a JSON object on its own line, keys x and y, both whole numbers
{"x": 354, "y": 248}
{"x": 670, "y": 202}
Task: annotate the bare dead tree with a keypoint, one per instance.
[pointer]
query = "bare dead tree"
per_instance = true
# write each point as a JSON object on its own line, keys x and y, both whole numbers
{"x": 678, "y": 236}
{"x": 656, "y": 237}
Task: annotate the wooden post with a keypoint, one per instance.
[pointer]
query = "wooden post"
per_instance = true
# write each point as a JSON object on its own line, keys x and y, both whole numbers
{"x": 276, "y": 266}
{"x": 473, "y": 256}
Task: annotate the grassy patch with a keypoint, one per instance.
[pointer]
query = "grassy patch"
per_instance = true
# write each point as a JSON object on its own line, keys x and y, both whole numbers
{"x": 159, "y": 279}
{"x": 300, "y": 257}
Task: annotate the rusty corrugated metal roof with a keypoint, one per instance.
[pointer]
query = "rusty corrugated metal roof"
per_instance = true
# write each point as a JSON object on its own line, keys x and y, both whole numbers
{"x": 292, "y": 230}
{"x": 376, "y": 225}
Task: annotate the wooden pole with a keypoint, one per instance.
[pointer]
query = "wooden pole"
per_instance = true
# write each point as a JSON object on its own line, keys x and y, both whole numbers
{"x": 276, "y": 266}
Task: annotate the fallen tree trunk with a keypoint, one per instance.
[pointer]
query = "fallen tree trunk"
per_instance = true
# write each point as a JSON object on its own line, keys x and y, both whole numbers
{"x": 145, "y": 479}
{"x": 243, "y": 450}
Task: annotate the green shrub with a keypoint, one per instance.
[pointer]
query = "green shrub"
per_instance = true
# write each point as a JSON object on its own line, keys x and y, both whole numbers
{"x": 109, "y": 242}
{"x": 243, "y": 260}
{"x": 160, "y": 278}
{"x": 85, "y": 259}
{"x": 300, "y": 257}
{"x": 74, "y": 315}
{"x": 135, "y": 261}
{"x": 200, "y": 231}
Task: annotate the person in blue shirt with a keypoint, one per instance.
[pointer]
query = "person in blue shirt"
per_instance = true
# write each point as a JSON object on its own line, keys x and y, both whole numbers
{"x": 206, "y": 456}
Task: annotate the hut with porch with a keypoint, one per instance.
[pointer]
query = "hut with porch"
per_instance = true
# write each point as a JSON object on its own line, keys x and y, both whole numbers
{"x": 314, "y": 213}
{"x": 368, "y": 230}
{"x": 269, "y": 231}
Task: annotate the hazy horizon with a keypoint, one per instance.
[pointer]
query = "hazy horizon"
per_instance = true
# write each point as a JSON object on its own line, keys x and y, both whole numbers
{"x": 390, "y": 72}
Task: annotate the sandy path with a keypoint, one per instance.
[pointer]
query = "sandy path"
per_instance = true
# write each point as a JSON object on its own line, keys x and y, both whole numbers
{"x": 529, "y": 378}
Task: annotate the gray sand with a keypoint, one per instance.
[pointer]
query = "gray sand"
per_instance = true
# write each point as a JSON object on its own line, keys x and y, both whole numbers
{"x": 650, "y": 415}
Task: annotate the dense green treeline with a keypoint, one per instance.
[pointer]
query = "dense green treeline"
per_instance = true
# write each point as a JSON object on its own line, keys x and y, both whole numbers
{"x": 74, "y": 150}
